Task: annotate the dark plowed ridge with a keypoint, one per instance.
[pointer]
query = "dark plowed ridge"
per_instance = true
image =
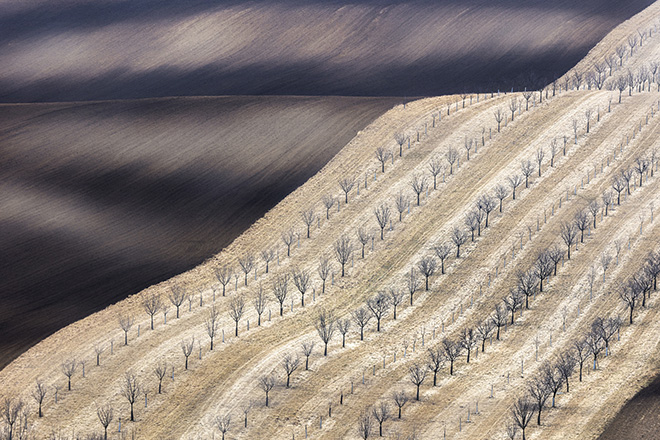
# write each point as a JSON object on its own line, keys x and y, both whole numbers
{"x": 100, "y": 200}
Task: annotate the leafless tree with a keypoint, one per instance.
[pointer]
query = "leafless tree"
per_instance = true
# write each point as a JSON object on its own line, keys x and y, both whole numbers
{"x": 626, "y": 175}
{"x": 378, "y": 305}
{"x": 223, "y": 274}
{"x": 565, "y": 365}
{"x": 540, "y": 154}
{"x": 632, "y": 43}
{"x": 69, "y": 368}
{"x": 427, "y": 266}
{"x": 513, "y": 106}
{"x": 325, "y": 327}
{"x": 361, "y": 317}
{"x": 418, "y": 185}
{"x": 577, "y": 78}
{"x": 511, "y": 431}
{"x": 501, "y": 193}
{"x": 98, "y": 350}
{"x": 346, "y": 184}
{"x": 555, "y": 254}
{"x": 568, "y": 233}
{"x": 177, "y": 295}
{"x": 363, "y": 237}
{"x": 484, "y": 331}
{"x": 587, "y": 115}
{"x": 343, "y": 251}
{"x": 307, "y": 348}
{"x": 621, "y": 84}
{"x": 160, "y": 370}
{"x": 301, "y": 279}
{"x": 187, "y": 348}
{"x": 653, "y": 267}
{"x": 473, "y": 222}
{"x": 514, "y": 181}
{"x": 324, "y": 270}
{"x": 442, "y": 251}
{"x": 365, "y": 425}
{"x": 540, "y": 392}
{"x": 459, "y": 238}
{"x": 620, "y": 52}
{"x": 618, "y": 184}
{"x": 582, "y": 223}
{"x": 125, "y": 322}
{"x": 400, "y": 399}
{"x": 343, "y": 325}
{"x": 522, "y": 413}
{"x": 527, "y": 284}
{"x": 452, "y": 350}
{"x": 152, "y": 305}
{"x": 412, "y": 283}
{"x": 417, "y": 374}
{"x": 223, "y": 424}
{"x": 382, "y": 155}
{"x": 381, "y": 414}
{"x": 452, "y": 156}
{"x": 267, "y": 255}
{"x": 468, "y": 146}
{"x": 642, "y": 282}
{"x": 435, "y": 166}
{"x": 607, "y": 200}
{"x": 382, "y": 214}
{"x": 486, "y": 204}
{"x": 468, "y": 340}
{"x": 267, "y": 383}
{"x": 39, "y": 394}
{"x": 247, "y": 264}
{"x": 514, "y": 302}
{"x": 499, "y": 319}
{"x": 246, "y": 408}
{"x": 527, "y": 169}
{"x": 281, "y": 289}
{"x": 395, "y": 298}
{"x": 328, "y": 201}
{"x": 436, "y": 361}
{"x": 543, "y": 267}
{"x": 130, "y": 390}
{"x": 641, "y": 166}
{"x": 606, "y": 328}
{"x": 400, "y": 139}
{"x": 290, "y": 364}
{"x": 499, "y": 117}
{"x": 288, "y": 237}
{"x": 105, "y": 415}
{"x": 10, "y": 412}
{"x": 236, "y": 306}
{"x": 581, "y": 354}
{"x": 211, "y": 323}
{"x": 595, "y": 344}
{"x": 260, "y": 301}
{"x": 402, "y": 204}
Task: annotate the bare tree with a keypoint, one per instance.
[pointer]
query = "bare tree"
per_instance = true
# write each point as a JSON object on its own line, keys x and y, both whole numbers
{"x": 641, "y": 166}
{"x": 653, "y": 267}
{"x": 267, "y": 383}
{"x": 435, "y": 166}
{"x": 452, "y": 351}
{"x": 513, "y": 106}
{"x": 130, "y": 390}
{"x": 452, "y": 156}
{"x": 468, "y": 146}
{"x": 514, "y": 302}
{"x": 400, "y": 399}
{"x": 361, "y": 317}
{"x": 382, "y": 155}
{"x": 363, "y": 237}
{"x": 307, "y": 348}
{"x": 288, "y": 237}
{"x": 626, "y": 175}
{"x": 565, "y": 364}
{"x": 499, "y": 319}
{"x": 267, "y": 255}
{"x": 382, "y": 214}
{"x": 486, "y": 204}
{"x": 418, "y": 185}
{"x": 125, "y": 322}
{"x": 499, "y": 117}
{"x": 346, "y": 184}
{"x": 105, "y": 415}
{"x": 514, "y": 181}
{"x": 568, "y": 233}
{"x": 301, "y": 279}
{"x": 522, "y": 413}
{"x": 543, "y": 267}
{"x": 39, "y": 394}
{"x": 236, "y": 306}
{"x": 527, "y": 169}
{"x": 595, "y": 344}
{"x": 325, "y": 327}
{"x": 606, "y": 328}
{"x": 324, "y": 270}
{"x": 436, "y": 361}
{"x": 160, "y": 370}
{"x": 473, "y": 222}
{"x": 378, "y": 306}
{"x": 412, "y": 283}
{"x": 459, "y": 238}
{"x": 343, "y": 325}
{"x": 582, "y": 353}
{"x": 290, "y": 364}
{"x": 402, "y": 204}
{"x": 280, "y": 289}
{"x": 540, "y": 154}
{"x": 417, "y": 373}
{"x": 223, "y": 424}
{"x": 187, "y": 348}
{"x": 343, "y": 251}
{"x": 395, "y": 298}
{"x": 442, "y": 251}
{"x": 177, "y": 295}
{"x": 501, "y": 193}
{"x": 539, "y": 392}
{"x": 632, "y": 43}
{"x": 98, "y": 350}
{"x": 365, "y": 425}
{"x": 621, "y": 84}
{"x": 511, "y": 431}
{"x": 484, "y": 331}
{"x": 247, "y": 264}
{"x": 527, "y": 284}
{"x": 152, "y": 305}
{"x": 381, "y": 414}
{"x": 69, "y": 368}
{"x": 607, "y": 200}
{"x": 260, "y": 302}
{"x": 400, "y": 139}
{"x": 211, "y": 323}
{"x": 618, "y": 184}
{"x": 582, "y": 223}
{"x": 427, "y": 266}
{"x": 620, "y": 52}
{"x": 468, "y": 341}
{"x": 223, "y": 274}
{"x": 631, "y": 295}
{"x": 328, "y": 201}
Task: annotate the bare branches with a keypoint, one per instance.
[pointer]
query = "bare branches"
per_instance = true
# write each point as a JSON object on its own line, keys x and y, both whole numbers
{"x": 452, "y": 156}
{"x": 568, "y": 233}
{"x": 325, "y": 327}
{"x": 343, "y": 251}
{"x": 400, "y": 399}
{"x": 378, "y": 305}
{"x": 260, "y": 301}
{"x": 39, "y": 393}
{"x": 328, "y": 201}
{"x": 418, "y": 185}
{"x": 125, "y": 322}
{"x": 267, "y": 383}
{"x": 361, "y": 317}
{"x": 499, "y": 117}
{"x": 69, "y": 368}
{"x": 160, "y": 370}
{"x": 522, "y": 413}
{"x": 382, "y": 214}
{"x": 459, "y": 237}
{"x": 382, "y": 155}
{"x": 247, "y": 264}
{"x": 152, "y": 305}
{"x": 236, "y": 306}
{"x": 402, "y": 204}
{"x": 417, "y": 375}
{"x": 105, "y": 415}
{"x": 435, "y": 167}
{"x": 290, "y": 364}
{"x": 427, "y": 266}
{"x": 301, "y": 279}
{"x": 324, "y": 269}
{"x": 346, "y": 184}
{"x": 187, "y": 348}
{"x": 130, "y": 390}
{"x": 280, "y": 289}
{"x": 176, "y": 296}
{"x": 527, "y": 168}
{"x": 223, "y": 274}
{"x": 288, "y": 237}
{"x": 514, "y": 181}
{"x": 400, "y": 138}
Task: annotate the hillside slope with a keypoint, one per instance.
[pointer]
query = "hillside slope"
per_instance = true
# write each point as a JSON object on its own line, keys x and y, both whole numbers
{"x": 105, "y": 49}
{"x": 100, "y": 200}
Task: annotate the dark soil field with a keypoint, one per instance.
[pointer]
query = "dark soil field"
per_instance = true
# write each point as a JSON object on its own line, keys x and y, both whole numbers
{"x": 100, "y": 200}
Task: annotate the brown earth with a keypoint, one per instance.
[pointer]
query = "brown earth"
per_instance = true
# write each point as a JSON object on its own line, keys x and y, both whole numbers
{"x": 99, "y": 200}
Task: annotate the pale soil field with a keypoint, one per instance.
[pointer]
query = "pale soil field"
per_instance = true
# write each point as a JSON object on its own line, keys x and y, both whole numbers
{"x": 226, "y": 379}
{"x": 67, "y": 50}
{"x": 101, "y": 200}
